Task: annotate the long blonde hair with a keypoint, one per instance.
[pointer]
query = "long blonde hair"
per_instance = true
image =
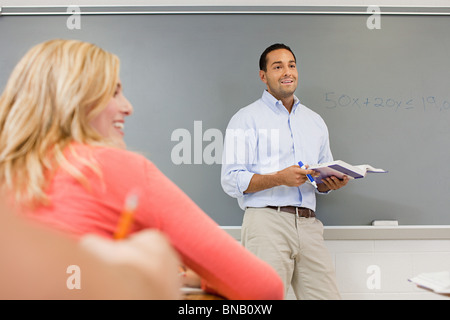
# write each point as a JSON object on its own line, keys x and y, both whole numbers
{"x": 49, "y": 100}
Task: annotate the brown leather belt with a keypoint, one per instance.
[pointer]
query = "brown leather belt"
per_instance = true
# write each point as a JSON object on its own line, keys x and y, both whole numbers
{"x": 300, "y": 211}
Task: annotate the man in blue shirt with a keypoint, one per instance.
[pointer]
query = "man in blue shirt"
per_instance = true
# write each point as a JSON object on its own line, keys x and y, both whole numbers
{"x": 263, "y": 144}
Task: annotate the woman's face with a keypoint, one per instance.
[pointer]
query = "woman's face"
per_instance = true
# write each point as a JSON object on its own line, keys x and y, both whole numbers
{"x": 109, "y": 123}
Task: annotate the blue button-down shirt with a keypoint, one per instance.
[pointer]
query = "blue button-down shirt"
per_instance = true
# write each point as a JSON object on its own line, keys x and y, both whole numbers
{"x": 265, "y": 138}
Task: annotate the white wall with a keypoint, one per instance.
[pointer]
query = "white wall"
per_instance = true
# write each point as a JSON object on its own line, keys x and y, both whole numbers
{"x": 358, "y": 263}
{"x": 375, "y": 263}
{"x": 230, "y": 2}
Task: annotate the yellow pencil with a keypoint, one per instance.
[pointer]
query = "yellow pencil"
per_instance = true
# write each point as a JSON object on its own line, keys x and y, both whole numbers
{"x": 126, "y": 217}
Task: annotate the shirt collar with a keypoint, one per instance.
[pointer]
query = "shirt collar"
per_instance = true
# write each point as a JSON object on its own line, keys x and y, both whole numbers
{"x": 276, "y": 105}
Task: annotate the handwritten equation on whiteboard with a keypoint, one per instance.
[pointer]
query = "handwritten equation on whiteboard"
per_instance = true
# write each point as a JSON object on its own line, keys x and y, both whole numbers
{"x": 430, "y": 103}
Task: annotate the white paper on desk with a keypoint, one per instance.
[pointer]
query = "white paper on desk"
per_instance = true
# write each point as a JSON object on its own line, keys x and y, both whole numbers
{"x": 439, "y": 282}
{"x": 189, "y": 290}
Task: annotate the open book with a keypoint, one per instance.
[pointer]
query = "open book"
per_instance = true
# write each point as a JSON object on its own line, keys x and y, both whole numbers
{"x": 438, "y": 282}
{"x": 340, "y": 168}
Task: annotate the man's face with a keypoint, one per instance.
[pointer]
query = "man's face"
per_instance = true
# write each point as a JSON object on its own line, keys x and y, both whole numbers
{"x": 281, "y": 75}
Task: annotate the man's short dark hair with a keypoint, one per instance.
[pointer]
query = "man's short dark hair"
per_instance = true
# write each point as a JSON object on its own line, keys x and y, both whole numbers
{"x": 276, "y": 46}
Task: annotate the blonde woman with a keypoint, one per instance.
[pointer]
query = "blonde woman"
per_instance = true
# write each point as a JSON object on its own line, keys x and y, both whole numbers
{"x": 63, "y": 161}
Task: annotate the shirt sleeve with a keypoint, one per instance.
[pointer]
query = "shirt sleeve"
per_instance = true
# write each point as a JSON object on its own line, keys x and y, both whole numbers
{"x": 239, "y": 152}
{"x": 225, "y": 266}
{"x": 325, "y": 152}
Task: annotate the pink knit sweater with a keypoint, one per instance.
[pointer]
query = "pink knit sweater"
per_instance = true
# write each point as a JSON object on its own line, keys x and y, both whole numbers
{"x": 225, "y": 266}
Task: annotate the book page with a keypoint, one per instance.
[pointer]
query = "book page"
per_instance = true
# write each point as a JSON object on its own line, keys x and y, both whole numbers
{"x": 369, "y": 168}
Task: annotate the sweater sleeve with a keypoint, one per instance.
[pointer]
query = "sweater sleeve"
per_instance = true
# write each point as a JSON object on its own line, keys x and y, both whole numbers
{"x": 224, "y": 265}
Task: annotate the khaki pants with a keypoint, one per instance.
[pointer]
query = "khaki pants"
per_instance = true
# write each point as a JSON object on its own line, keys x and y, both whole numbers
{"x": 295, "y": 248}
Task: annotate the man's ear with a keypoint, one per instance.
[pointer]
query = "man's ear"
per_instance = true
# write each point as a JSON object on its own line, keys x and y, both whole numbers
{"x": 262, "y": 76}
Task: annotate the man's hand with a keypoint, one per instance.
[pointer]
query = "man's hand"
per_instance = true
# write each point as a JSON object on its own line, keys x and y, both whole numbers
{"x": 332, "y": 183}
{"x": 295, "y": 176}
{"x": 292, "y": 176}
